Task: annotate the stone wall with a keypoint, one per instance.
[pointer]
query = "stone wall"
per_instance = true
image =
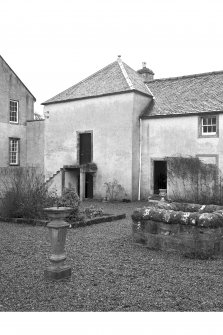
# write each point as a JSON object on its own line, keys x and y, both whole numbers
{"x": 201, "y": 235}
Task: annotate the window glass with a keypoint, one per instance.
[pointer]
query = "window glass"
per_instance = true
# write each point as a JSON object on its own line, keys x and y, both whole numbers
{"x": 14, "y": 151}
{"x": 209, "y": 125}
{"x": 13, "y": 111}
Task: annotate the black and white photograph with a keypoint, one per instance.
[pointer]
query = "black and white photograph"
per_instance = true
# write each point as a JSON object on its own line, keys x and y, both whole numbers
{"x": 111, "y": 166}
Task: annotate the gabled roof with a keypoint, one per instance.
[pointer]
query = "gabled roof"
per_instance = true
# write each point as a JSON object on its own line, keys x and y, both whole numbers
{"x": 198, "y": 93}
{"x": 116, "y": 77}
{"x": 17, "y": 77}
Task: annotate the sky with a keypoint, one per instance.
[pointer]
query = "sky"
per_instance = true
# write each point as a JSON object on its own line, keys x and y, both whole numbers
{"x": 52, "y": 45}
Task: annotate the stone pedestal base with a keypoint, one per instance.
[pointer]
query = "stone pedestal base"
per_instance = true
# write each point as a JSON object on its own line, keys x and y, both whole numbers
{"x": 53, "y": 272}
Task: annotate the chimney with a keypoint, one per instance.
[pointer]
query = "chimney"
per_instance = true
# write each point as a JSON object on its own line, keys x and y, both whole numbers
{"x": 119, "y": 59}
{"x": 146, "y": 73}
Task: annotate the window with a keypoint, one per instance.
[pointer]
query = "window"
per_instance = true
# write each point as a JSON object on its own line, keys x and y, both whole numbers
{"x": 14, "y": 151}
{"x": 208, "y": 126}
{"x": 14, "y": 111}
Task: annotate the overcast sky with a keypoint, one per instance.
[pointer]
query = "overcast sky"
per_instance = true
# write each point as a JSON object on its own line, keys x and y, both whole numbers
{"x": 52, "y": 45}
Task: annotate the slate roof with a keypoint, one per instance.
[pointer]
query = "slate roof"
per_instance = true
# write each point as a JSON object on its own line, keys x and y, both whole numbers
{"x": 115, "y": 78}
{"x": 199, "y": 93}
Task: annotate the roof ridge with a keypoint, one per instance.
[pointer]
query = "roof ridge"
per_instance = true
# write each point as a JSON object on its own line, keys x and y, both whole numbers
{"x": 140, "y": 78}
{"x": 125, "y": 74}
{"x": 186, "y": 76}
{"x": 17, "y": 77}
{"x": 80, "y": 82}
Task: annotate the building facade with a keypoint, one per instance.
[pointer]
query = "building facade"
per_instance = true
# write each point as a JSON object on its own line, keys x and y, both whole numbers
{"x": 16, "y": 107}
{"x": 122, "y": 124}
{"x": 118, "y": 124}
{"x": 92, "y": 132}
{"x": 185, "y": 119}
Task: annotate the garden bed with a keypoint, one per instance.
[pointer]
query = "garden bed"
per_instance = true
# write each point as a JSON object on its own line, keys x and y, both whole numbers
{"x": 191, "y": 229}
{"x": 95, "y": 220}
{"x": 73, "y": 224}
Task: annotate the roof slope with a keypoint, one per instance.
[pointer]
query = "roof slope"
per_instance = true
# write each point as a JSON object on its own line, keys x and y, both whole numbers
{"x": 197, "y": 93}
{"x": 114, "y": 78}
{"x": 18, "y": 78}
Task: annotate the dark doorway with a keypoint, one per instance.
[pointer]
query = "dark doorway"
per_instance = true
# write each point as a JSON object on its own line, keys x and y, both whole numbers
{"x": 78, "y": 185}
{"x": 89, "y": 185}
{"x": 160, "y": 175}
{"x": 85, "y": 148}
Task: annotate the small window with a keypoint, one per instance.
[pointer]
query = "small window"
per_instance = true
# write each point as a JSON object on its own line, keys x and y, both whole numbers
{"x": 208, "y": 126}
{"x": 14, "y": 151}
{"x": 14, "y": 111}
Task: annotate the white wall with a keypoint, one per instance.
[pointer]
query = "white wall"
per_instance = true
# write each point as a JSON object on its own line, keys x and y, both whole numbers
{"x": 110, "y": 119}
{"x": 173, "y": 136}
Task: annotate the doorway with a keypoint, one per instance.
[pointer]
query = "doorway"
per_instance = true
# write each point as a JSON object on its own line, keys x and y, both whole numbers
{"x": 160, "y": 175}
{"x": 85, "y": 152}
{"x": 89, "y": 185}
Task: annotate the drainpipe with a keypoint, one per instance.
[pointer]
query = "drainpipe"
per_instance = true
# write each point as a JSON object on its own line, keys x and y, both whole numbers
{"x": 140, "y": 157}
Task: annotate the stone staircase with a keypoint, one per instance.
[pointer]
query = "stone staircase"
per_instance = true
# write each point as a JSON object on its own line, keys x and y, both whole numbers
{"x": 51, "y": 178}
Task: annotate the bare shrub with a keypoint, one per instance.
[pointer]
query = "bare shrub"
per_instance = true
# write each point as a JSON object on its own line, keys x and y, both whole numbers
{"x": 191, "y": 180}
{"x": 23, "y": 193}
{"x": 114, "y": 191}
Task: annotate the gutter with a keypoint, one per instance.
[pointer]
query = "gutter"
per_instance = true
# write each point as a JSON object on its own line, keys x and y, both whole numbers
{"x": 94, "y": 96}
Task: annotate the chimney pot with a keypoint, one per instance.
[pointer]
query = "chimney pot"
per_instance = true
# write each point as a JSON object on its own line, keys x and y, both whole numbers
{"x": 146, "y": 73}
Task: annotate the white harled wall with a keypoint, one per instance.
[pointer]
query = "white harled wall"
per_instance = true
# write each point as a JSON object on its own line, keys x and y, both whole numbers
{"x": 110, "y": 119}
{"x": 173, "y": 136}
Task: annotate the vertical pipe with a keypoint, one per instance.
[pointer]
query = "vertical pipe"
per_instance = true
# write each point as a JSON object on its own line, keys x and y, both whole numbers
{"x": 140, "y": 158}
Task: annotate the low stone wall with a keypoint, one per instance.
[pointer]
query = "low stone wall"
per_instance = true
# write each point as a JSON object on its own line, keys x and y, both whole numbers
{"x": 199, "y": 233}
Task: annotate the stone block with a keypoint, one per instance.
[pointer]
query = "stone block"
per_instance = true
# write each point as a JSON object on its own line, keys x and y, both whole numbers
{"x": 53, "y": 272}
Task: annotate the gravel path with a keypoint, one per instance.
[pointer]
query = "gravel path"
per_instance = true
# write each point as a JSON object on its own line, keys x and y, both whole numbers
{"x": 109, "y": 272}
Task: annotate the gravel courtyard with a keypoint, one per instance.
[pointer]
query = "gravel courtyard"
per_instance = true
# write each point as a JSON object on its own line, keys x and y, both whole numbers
{"x": 109, "y": 272}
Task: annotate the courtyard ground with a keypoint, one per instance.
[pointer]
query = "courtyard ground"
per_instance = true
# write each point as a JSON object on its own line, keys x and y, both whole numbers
{"x": 109, "y": 272}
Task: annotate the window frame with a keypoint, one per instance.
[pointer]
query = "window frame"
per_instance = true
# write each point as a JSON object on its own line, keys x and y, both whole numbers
{"x": 17, "y": 163}
{"x": 201, "y": 134}
{"x": 17, "y": 111}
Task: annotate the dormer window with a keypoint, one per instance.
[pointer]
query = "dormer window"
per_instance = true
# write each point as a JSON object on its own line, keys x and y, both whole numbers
{"x": 14, "y": 111}
{"x": 208, "y": 126}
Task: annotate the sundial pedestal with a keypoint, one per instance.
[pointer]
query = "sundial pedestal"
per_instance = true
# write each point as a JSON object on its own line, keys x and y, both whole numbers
{"x": 57, "y": 232}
